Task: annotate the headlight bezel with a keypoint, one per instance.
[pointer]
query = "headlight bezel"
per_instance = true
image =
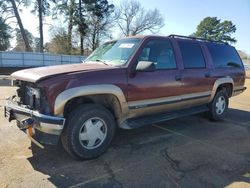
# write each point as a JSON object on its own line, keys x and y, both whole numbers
{"x": 32, "y": 97}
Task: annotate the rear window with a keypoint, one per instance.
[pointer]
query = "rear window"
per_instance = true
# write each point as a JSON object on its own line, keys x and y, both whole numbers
{"x": 224, "y": 55}
{"x": 191, "y": 55}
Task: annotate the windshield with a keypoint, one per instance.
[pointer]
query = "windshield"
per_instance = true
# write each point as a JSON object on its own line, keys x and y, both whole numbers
{"x": 114, "y": 53}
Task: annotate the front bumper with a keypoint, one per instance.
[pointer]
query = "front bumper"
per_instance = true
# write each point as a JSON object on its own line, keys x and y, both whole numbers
{"x": 47, "y": 129}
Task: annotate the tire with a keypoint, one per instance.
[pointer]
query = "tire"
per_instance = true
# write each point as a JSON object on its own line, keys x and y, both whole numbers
{"x": 89, "y": 130}
{"x": 218, "y": 107}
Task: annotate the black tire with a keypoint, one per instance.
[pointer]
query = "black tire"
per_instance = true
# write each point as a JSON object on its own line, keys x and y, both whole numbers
{"x": 214, "y": 113}
{"x": 75, "y": 122}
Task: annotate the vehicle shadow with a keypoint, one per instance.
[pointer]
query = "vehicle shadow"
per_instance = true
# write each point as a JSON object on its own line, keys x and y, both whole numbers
{"x": 150, "y": 156}
{"x": 238, "y": 115}
{"x": 65, "y": 171}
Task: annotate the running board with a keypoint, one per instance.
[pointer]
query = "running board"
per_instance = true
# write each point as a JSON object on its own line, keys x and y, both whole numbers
{"x": 147, "y": 120}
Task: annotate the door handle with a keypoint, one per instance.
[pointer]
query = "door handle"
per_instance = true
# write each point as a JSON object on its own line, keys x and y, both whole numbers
{"x": 207, "y": 75}
{"x": 178, "y": 78}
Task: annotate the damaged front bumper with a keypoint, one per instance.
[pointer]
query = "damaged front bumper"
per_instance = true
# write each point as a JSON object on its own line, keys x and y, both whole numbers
{"x": 40, "y": 127}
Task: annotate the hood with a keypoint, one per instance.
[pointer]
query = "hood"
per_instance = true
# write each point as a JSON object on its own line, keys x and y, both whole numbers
{"x": 36, "y": 74}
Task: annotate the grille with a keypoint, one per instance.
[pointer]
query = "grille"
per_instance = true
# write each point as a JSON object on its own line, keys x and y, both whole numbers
{"x": 28, "y": 95}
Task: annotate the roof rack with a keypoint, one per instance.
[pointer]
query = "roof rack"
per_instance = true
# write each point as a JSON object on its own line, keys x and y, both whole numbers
{"x": 197, "y": 38}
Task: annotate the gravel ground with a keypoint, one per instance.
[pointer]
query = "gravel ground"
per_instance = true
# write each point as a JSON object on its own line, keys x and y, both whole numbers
{"x": 186, "y": 152}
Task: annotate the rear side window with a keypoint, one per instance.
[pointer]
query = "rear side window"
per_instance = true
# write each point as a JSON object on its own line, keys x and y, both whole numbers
{"x": 224, "y": 55}
{"x": 192, "y": 55}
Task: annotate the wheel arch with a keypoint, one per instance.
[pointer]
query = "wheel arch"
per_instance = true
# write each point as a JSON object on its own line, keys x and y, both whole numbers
{"x": 220, "y": 83}
{"x": 104, "y": 94}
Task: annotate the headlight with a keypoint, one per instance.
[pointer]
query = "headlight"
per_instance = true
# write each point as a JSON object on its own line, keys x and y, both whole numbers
{"x": 32, "y": 97}
{"x": 33, "y": 92}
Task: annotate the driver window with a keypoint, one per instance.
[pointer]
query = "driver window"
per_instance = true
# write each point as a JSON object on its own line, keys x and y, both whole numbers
{"x": 160, "y": 53}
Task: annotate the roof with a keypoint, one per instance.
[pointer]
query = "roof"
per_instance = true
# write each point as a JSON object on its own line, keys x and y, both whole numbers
{"x": 173, "y": 36}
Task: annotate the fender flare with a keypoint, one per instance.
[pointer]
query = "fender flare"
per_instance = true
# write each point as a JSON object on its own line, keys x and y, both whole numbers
{"x": 218, "y": 82}
{"x": 71, "y": 93}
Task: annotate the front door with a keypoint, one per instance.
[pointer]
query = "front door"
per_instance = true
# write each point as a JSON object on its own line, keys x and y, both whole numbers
{"x": 159, "y": 90}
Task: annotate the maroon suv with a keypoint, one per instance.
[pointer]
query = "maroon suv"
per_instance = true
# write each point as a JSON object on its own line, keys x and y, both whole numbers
{"x": 127, "y": 83}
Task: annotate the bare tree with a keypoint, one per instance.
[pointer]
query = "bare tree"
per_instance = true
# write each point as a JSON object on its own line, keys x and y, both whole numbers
{"x": 98, "y": 30}
{"x": 100, "y": 20}
{"x": 59, "y": 42}
{"x": 133, "y": 19}
{"x": 20, "y": 43}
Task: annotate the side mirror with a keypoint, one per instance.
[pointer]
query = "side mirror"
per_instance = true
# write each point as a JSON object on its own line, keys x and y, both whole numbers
{"x": 145, "y": 66}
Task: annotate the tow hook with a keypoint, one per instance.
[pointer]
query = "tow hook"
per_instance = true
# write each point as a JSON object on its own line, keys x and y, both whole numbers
{"x": 26, "y": 123}
{"x": 30, "y": 131}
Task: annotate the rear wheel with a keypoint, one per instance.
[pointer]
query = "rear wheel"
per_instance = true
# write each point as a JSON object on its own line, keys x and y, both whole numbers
{"x": 89, "y": 129}
{"x": 218, "y": 107}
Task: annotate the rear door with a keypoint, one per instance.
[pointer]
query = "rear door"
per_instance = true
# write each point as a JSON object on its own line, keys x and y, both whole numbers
{"x": 195, "y": 74}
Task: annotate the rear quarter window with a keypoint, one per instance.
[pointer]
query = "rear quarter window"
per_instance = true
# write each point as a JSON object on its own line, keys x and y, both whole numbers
{"x": 224, "y": 55}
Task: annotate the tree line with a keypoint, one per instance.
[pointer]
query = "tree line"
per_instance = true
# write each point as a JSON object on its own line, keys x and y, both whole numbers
{"x": 89, "y": 22}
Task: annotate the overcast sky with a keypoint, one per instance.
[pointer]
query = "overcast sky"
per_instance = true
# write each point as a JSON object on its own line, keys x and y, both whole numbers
{"x": 181, "y": 17}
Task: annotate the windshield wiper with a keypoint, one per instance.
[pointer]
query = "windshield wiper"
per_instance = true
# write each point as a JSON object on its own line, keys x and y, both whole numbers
{"x": 102, "y": 61}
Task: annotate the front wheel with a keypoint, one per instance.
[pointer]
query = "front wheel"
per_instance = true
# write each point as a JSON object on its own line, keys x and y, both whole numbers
{"x": 89, "y": 129}
{"x": 218, "y": 107}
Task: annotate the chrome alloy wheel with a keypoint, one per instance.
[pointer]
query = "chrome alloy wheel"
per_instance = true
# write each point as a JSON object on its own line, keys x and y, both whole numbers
{"x": 220, "y": 105}
{"x": 93, "y": 133}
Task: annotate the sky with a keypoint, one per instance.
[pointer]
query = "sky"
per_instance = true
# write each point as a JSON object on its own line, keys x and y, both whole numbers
{"x": 181, "y": 17}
